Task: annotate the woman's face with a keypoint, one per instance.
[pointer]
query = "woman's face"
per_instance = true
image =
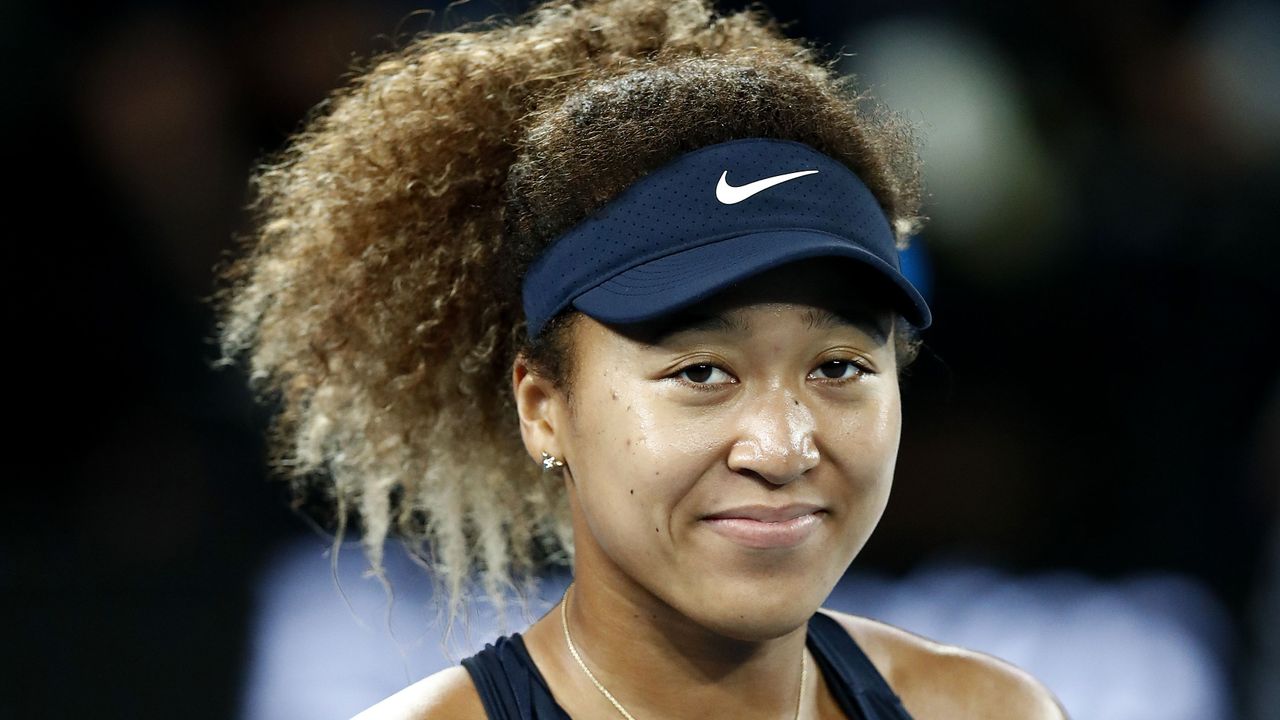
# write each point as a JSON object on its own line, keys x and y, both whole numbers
{"x": 780, "y": 392}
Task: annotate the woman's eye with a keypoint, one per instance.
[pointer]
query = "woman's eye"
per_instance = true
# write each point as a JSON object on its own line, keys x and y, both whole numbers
{"x": 703, "y": 374}
{"x": 707, "y": 375}
{"x": 839, "y": 370}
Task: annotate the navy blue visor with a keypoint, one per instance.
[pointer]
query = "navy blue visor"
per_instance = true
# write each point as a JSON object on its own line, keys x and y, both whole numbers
{"x": 709, "y": 219}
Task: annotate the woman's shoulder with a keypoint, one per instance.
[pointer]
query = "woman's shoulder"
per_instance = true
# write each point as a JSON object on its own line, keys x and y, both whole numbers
{"x": 446, "y": 695}
{"x": 937, "y": 680}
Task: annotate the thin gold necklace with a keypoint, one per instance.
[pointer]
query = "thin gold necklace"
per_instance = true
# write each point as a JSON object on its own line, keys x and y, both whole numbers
{"x": 564, "y": 623}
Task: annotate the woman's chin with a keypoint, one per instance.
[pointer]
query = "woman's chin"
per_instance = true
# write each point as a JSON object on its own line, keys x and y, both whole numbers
{"x": 758, "y": 627}
{"x": 756, "y": 618}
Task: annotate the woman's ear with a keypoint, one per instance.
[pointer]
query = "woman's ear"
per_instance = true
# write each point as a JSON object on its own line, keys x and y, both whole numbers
{"x": 541, "y": 408}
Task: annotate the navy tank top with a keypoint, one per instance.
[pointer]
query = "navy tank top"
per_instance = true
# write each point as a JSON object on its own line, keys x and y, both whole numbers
{"x": 511, "y": 687}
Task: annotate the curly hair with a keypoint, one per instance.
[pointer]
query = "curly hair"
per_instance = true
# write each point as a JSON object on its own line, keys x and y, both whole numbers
{"x": 377, "y": 298}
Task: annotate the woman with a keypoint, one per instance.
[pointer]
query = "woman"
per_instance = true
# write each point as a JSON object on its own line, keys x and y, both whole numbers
{"x": 673, "y": 235}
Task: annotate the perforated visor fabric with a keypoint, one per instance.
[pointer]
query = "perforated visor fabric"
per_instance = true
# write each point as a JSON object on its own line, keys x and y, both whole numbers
{"x": 712, "y": 217}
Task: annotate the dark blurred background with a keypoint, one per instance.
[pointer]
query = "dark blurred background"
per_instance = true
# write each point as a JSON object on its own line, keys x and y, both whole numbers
{"x": 1098, "y": 394}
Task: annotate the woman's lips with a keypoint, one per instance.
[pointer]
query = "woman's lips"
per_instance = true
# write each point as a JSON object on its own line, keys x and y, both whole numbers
{"x": 763, "y": 534}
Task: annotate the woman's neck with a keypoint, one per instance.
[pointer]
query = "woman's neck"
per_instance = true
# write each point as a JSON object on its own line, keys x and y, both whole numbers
{"x": 658, "y": 662}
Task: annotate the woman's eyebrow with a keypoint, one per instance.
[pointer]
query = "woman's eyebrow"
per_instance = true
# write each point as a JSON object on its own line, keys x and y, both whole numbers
{"x": 820, "y": 319}
{"x": 720, "y": 322}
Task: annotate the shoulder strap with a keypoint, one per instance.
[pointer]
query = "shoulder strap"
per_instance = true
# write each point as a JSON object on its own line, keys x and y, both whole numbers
{"x": 859, "y": 689}
{"x": 509, "y": 684}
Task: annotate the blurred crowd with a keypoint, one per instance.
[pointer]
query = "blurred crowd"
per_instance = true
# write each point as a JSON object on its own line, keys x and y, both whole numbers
{"x": 1095, "y": 401}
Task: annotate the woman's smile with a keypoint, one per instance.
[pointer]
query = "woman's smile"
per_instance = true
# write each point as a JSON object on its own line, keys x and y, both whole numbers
{"x": 753, "y": 530}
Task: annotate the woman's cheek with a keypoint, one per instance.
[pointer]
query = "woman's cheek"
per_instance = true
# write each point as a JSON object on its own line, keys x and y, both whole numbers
{"x": 666, "y": 455}
{"x": 861, "y": 447}
{"x": 619, "y": 460}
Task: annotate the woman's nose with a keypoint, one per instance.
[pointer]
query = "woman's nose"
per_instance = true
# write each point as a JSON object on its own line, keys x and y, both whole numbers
{"x": 776, "y": 439}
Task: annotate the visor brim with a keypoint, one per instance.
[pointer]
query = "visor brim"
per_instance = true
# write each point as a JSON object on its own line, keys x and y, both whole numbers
{"x": 653, "y": 289}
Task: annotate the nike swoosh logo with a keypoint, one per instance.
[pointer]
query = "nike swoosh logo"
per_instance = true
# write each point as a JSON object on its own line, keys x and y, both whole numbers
{"x": 729, "y": 194}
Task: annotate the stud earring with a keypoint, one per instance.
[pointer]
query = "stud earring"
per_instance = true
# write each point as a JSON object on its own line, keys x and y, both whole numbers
{"x": 550, "y": 462}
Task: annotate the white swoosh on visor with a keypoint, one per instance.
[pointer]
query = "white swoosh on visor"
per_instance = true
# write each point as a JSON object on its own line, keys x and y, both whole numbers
{"x": 729, "y": 194}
